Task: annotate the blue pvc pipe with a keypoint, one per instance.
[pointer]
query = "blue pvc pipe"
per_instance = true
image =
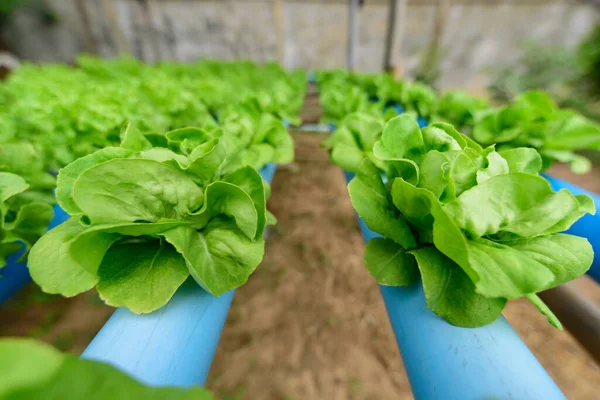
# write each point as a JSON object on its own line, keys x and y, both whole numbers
{"x": 588, "y": 226}
{"x": 446, "y": 362}
{"x": 397, "y": 107}
{"x": 173, "y": 346}
{"x": 15, "y": 274}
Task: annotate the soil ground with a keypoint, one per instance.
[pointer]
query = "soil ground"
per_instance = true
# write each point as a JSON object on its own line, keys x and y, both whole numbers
{"x": 310, "y": 323}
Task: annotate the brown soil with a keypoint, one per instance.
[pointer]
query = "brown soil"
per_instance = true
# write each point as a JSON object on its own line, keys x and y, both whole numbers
{"x": 69, "y": 324}
{"x": 310, "y": 324}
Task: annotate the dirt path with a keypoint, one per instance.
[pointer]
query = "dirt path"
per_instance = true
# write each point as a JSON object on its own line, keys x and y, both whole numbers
{"x": 310, "y": 323}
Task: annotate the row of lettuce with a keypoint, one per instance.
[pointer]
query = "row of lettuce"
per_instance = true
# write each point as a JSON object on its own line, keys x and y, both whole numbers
{"x": 468, "y": 217}
{"x": 155, "y": 161}
{"x": 158, "y": 168}
{"x": 532, "y": 119}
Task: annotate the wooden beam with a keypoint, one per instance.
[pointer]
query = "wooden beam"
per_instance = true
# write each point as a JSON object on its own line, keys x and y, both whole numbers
{"x": 119, "y": 37}
{"x": 90, "y": 43}
{"x": 352, "y": 34}
{"x": 278, "y": 16}
{"x": 578, "y": 315}
{"x": 389, "y": 35}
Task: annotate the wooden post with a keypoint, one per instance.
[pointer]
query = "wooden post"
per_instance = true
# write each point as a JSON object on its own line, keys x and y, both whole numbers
{"x": 91, "y": 46}
{"x": 430, "y": 64}
{"x": 577, "y": 313}
{"x": 119, "y": 37}
{"x": 278, "y": 16}
{"x": 352, "y": 28}
{"x": 389, "y": 36}
{"x": 146, "y": 8}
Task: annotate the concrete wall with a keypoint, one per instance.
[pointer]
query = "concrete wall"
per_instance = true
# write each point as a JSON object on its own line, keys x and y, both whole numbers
{"x": 477, "y": 33}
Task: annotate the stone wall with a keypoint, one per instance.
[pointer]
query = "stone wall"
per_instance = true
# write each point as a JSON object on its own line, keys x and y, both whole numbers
{"x": 477, "y": 33}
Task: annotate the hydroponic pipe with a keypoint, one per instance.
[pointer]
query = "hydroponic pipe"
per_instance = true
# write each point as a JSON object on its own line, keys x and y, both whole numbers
{"x": 173, "y": 346}
{"x": 588, "y": 226}
{"x": 14, "y": 275}
{"x": 446, "y": 362}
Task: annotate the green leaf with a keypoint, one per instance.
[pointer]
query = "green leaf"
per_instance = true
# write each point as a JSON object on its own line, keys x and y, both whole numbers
{"x": 224, "y": 198}
{"x": 522, "y": 159}
{"x": 579, "y": 164}
{"x": 69, "y": 174}
{"x": 278, "y": 137}
{"x": 31, "y": 222}
{"x": 496, "y": 165}
{"x": 370, "y": 200}
{"x": 220, "y": 257}
{"x": 544, "y": 310}
{"x": 514, "y": 269}
{"x": 141, "y": 276}
{"x": 271, "y": 219}
{"x": 521, "y": 204}
{"x": 34, "y": 370}
{"x": 257, "y": 156}
{"x": 347, "y": 157}
{"x": 135, "y": 190}
{"x": 250, "y": 181}
{"x": 206, "y": 161}
{"x": 185, "y": 140}
{"x": 450, "y": 293}
{"x": 132, "y": 139}
{"x": 464, "y": 141}
{"x": 10, "y": 185}
{"x": 503, "y": 271}
{"x": 571, "y": 131}
{"x": 401, "y": 138}
{"x": 389, "y": 263}
{"x": 434, "y": 174}
{"x": 25, "y": 363}
{"x": 66, "y": 259}
{"x": 436, "y": 138}
{"x": 566, "y": 256}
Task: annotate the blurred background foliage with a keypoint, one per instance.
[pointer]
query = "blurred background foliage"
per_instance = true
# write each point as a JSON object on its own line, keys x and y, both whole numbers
{"x": 570, "y": 74}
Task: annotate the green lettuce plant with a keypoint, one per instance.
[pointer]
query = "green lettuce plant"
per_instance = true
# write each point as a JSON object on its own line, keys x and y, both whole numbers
{"x": 339, "y": 100}
{"x": 534, "y": 120}
{"x": 478, "y": 226}
{"x": 23, "y": 220}
{"x": 254, "y": 138}
{"x": 458, "y": 108}
{"x": 67, "y": 113}
{"x": 34, "y": 370}
{"x": 26, "y": 198}
{"x": 420, "y": 98}
{"x": 144, "y": 218}
{"x": 353, "y": 140}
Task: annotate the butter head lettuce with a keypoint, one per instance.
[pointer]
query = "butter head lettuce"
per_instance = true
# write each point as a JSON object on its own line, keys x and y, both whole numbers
{"x": 479, "y": 226}
{"x": 458, "y": 108}
{"x": 145, "y": 218}
{"x": 26, "y": 198}
{"x": 34, "y": 370}
{"x": 534, "y": 120}
{"x": 353, "y": 140}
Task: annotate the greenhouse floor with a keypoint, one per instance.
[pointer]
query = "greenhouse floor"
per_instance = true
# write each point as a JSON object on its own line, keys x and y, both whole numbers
{"x": 310, "y": 324}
